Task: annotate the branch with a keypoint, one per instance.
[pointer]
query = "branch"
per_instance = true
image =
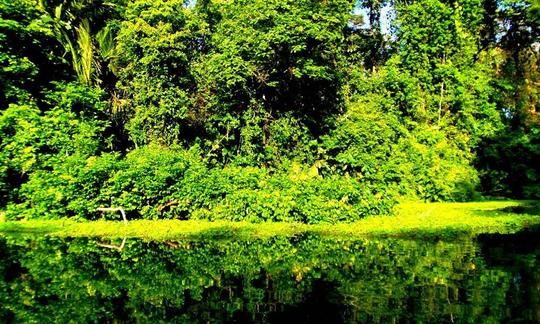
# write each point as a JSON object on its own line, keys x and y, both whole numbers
{"x": 115, "y": 210}
{"x": 116, "y": 247}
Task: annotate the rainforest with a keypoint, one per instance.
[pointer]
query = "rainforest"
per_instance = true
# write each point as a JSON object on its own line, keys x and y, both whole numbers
{"x": 305, "y": 111}
{"x": 269, "y": 161}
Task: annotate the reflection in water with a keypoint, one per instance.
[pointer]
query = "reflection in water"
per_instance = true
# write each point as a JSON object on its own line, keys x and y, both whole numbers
{"x": 112, "y": 246}
{"x": 300, "y": 279}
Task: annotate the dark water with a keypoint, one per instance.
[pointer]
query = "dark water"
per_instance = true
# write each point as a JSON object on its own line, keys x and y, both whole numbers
{"x": 307, "y": 279}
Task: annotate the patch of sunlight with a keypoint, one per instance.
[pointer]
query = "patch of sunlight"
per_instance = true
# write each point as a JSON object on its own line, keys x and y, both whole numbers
{"x": 408, "y": 220}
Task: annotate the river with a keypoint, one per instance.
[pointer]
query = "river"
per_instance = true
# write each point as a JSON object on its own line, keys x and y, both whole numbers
{"x": 299, "y": 279}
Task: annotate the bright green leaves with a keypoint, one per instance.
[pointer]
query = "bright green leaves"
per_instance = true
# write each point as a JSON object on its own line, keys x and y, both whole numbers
{"x": 280, "y": 38}
{"x": 146, "y": 180}
{"x": 29, "y": 56}
{"x": 432, "y": 33}
{"x": 440, "y": 49}
{"x": 207, "y": 71}
{"x": 84, "y": 29}
{"x": 424, "y": 162}
{"x": 294, "y": 194}
{"x": 159, "y": 182}
{"x": 274, "y": 60}
{"x": 157, "y": 44}
{"x": 34, "y": 143}
{"x": 266, "y": 91}
{"x": 414, "y": 123}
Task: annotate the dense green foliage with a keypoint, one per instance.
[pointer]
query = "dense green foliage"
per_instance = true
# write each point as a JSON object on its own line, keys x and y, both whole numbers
{"x": 156, "y": 182}
{"x": 306, "y": 278}
{"x": 282, "y": 110}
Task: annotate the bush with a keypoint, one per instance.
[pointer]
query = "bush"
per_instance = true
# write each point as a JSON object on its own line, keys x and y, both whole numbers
{"x": 32, "y": 141}
{"x": 139, "y": 183}
{"x": 158, "y": 182}
{"x": 295, "y": 194}
{"x": 147, "y": 180}
{"x": 417, "y": 162}
{"x": 431, "y": 167}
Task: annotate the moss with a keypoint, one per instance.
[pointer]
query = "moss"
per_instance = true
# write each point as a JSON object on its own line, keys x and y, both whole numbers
{"x": 409, "y": 220}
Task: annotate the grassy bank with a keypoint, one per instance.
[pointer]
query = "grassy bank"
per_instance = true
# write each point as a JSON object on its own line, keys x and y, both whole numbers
{"x": 410, "y": 219}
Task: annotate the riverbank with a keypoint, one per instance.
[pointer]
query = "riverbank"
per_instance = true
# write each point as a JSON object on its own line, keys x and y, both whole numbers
{"x": 410, "y": 220}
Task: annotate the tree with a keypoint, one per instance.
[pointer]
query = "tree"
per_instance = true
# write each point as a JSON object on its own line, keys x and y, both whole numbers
{"x": 30, "y": 58}
{"x": 273, "y": 67}
{"x": 85, "y": 30}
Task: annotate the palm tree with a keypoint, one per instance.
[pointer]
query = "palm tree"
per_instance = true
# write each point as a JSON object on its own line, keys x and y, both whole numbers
{"x": 79, "y": 27}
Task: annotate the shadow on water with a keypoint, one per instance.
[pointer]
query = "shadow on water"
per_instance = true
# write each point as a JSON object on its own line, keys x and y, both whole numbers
{"x": 518, "y": 255}
{"x": 302, "y": 279}
{"x": 524, "y": 242}
{"x": 532, "y": 208}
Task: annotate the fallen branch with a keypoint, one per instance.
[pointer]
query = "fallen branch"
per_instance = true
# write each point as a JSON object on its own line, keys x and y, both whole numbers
{"x": 116, "y": 247}
{"x": 120, "y": 209}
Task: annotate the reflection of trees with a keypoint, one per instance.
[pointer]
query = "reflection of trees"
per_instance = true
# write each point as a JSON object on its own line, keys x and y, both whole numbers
{"x": 305, "y": 278}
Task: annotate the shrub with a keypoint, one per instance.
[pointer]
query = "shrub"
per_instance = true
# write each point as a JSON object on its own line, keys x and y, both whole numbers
{"x": 32, "y": 141}
{"x": 159, "y": 182}
{"x": 294, "y": 194}
{"x": 418, "y": 162}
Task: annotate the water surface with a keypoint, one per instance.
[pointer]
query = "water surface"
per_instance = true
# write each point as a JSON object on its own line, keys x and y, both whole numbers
{"x": 302, "y": 279}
